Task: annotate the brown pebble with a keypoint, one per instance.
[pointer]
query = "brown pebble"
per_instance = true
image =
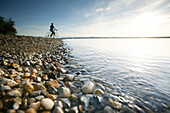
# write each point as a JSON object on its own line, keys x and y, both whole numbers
{"x": 31, "y": 110}
{"x": 53, "y": 83}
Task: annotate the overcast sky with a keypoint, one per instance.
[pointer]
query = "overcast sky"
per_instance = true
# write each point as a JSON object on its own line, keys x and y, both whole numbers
{"x": 89, "y": 17}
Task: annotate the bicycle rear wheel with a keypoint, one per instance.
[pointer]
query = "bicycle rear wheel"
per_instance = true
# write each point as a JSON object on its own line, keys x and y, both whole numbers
{"x": 47, "y": 35}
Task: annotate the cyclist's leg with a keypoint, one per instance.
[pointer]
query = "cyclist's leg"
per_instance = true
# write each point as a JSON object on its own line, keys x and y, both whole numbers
{"x": 53, "y": 33}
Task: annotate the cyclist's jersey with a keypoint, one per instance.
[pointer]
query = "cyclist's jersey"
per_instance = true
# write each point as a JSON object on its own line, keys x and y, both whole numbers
{"x": 51, "y": 28}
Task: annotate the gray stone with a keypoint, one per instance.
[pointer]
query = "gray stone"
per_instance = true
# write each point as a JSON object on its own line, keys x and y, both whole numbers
{"x": 14, "y": 93}
{"x": 74, "y": 109}
{"x": 5, "y": 88}
{"x": 39, "y": 97}
{"x": 85, "y": 101}
{"x": 31, "y": 100}
{"x": 27, "y": 63}
{"x": 36, "y": 93}
{"x": 61, "y": 70}
{"x": 1, "y": 73}
{"x": 88, "y": 87}
{"x": 69, "y": 77}
{"x": 66, "y": 102}
{"x": 8, "y": 82}
{"x": 52, "y": 89}
{"x": 108, "y": 109}
{"x": 58, "y": 109}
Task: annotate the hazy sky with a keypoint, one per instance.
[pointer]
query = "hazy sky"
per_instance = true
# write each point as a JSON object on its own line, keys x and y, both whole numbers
{"x": 89, "y": 17}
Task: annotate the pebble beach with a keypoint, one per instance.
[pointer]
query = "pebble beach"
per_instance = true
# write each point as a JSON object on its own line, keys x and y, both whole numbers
{"x": 36, "y": 76}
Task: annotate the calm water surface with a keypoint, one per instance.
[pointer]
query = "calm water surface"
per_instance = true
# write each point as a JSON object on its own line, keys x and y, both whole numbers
{"x": 136, "y": 67}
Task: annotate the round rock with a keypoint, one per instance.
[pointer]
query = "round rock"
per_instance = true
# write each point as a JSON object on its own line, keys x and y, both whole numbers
{"x": 88, "y": 87}
{"x": 64, "y": 92}
{"x": 47, "y": 103}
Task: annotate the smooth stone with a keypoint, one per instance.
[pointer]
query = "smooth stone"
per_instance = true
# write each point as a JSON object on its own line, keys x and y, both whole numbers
{"x": 58, "y": 109}
{"x": 5, "y": 88}
{"x": 100, "y": 86}
{"x": 13, "y": 75}
{"x": 28, "y": 87}
{"x": 31, "y": 100}
{"x": 27, "y": 63}
{"x": 108, "y": 109}
{"x": 15, "y": 65}
{"x": 66, "y": 102}
{"x": 34, "y": 71}
{"x": 11, "y": 111}
{"x": 73, "y": 97}
{"x": 96, "y": 101}
{"x": 27, "y": 74}
{"x": 51, "y": 96}
{"x": 64, "y": 92}
{"x": 52, "y": 89}
{"x": 38, "y": 86}
{"x": 53, "y": 83}
{"x": 85, "y": 100}
{"x": 30, "y": 110}
{"x": 68, "y": 83}
{"x": 1, "y": 73}
{"x": 61, "y": 70}
{"x": 36, "y": 93}
{"x": 58, "y": 64}
{"x": 35, "y": 105}
{"x": 33, "y": 62}
{"x": 45, "y": 112}
{"x": 58, "y": 103}
{"x": 39, "y": 97}
{"x": 26, "y": 69}
{"x": 74, "y": 109}
{"x": 18, "y": 77}
{"x": 45, "y": 77}
{"x": 37, "y": 79}
{"x": 88, "y": 87}
{"x": 14, "y": 93}
{"x": 1, "y": 104}
{"x": 16, "y": 106}
{"x": 20, "y": 111}
{"x": 98, "y": 92}
{"x": 52, "y": 67}
{"x": 18, "y": 100}
{"x": 69, "y": 77}
{"x": 115, "y": 105}
{"x": 8, "y": 82}
{"x": 47, "y": 103}
{"x": 45, "y": 92}
{"x": 19, "y": 69}
{"x": 80, "y": 107}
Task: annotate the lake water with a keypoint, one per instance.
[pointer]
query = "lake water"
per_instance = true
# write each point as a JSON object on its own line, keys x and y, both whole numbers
{"x": 139, "y": 68}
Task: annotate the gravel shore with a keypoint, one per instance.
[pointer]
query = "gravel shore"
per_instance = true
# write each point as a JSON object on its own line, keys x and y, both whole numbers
{"x": 36, "y": 77}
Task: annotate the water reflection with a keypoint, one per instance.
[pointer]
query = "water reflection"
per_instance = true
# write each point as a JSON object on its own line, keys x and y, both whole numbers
{"x": 137, "y": 67}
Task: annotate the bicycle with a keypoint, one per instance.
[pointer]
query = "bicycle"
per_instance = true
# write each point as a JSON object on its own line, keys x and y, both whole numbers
{"x": 48, "y": 34}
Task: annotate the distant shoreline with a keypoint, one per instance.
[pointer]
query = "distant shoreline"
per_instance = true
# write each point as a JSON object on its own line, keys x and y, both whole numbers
{"x": 110, "y": 37}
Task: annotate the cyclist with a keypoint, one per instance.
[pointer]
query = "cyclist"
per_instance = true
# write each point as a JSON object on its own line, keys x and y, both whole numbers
{"x": 52, "y": 28}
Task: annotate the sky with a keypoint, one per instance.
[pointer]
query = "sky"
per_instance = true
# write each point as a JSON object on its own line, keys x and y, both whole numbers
{"x": 89, "y": 18}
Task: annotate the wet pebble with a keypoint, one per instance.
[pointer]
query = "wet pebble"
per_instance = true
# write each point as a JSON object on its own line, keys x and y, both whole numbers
{"x": 88, "y": 87}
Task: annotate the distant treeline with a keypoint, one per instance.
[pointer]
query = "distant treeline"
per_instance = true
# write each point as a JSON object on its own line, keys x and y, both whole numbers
{"x": 7, "y": 26}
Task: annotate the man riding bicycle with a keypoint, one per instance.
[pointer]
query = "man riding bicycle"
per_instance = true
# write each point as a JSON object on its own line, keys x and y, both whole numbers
{"x": 52, "y": 28}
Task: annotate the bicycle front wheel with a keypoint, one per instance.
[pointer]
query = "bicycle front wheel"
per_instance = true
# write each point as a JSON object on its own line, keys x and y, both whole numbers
{"x": 56, "y": 35}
